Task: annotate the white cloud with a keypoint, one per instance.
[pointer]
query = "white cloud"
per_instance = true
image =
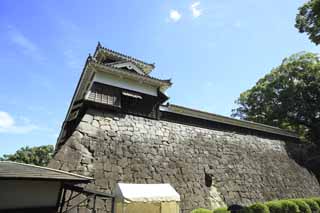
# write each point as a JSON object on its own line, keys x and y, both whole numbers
{"x": 27, "y": 46}
{"x": 194, "y": 7}
{"x": 8, "y": 125}
{"x": 6, "y": 120}
{"x": 175, "y": 15}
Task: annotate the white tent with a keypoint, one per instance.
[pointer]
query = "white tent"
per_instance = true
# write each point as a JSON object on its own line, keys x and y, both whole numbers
{"x": 146, "y": 198}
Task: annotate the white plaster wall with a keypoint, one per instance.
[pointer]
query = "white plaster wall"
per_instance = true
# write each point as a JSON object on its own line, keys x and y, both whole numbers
{"x": 28, "y": 193}
{"x": 116, "y": 81}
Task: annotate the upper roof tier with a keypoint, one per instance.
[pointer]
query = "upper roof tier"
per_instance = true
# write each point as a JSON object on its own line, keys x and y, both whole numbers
{"x": 133, "y": 74}
{"x": 103, "y": 55}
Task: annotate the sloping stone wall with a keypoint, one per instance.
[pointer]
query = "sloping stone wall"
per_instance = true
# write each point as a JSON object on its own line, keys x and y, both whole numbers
{"x": 113, "y": 147}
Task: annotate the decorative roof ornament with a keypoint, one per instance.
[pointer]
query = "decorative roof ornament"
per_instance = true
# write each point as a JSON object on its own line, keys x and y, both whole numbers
{"x": 90, "y": 57}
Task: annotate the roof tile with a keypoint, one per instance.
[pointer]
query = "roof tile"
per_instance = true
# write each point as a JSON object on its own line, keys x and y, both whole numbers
{"x": 15, "y": 170}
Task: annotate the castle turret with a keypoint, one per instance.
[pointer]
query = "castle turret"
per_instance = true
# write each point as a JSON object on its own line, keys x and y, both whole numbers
{"x": 114, "y": 81}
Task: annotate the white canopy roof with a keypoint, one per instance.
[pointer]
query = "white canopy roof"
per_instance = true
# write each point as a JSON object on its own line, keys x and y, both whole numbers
{"x": 147, "y": 192}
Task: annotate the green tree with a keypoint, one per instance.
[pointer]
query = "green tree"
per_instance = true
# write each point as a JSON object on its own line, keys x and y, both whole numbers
{"x": 39, "y": 156}
{"x": 308, "y": 20}
{"x": 288, "y": 97}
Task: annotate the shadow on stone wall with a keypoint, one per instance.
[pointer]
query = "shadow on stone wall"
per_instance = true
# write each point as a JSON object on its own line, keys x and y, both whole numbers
{"x": 306, "y": 155}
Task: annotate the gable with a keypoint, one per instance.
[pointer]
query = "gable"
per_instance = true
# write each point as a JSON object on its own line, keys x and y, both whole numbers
{"x": 129, "y": 66}
{"x": 105, "y": 55}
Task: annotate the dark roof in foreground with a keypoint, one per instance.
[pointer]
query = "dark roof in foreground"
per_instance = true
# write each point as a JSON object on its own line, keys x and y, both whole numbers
{"x": 227, "y": 120}
{"x": 14, "y": 170}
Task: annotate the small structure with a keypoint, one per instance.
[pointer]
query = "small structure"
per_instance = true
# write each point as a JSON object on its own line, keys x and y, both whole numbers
{"x": 146, "y": 198}
{"x": 29, "y": 188}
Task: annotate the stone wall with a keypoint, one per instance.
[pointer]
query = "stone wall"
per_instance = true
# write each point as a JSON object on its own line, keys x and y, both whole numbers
{"x": 208, "y": 168}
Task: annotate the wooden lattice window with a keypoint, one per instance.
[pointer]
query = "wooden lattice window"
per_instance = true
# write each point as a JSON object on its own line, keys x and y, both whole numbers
{"x": 105, "y": 95}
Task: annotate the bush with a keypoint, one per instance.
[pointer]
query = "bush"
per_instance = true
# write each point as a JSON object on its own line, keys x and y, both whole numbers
{"x": 316, "y": 199}
{"x": 274, "y": 206}
{"x": 289, "y": 206}
{"x": 303, "y": 206}
{"x": 313, "y": 205}
{"x": 282, "y": 206}
{"x": 201, "y": 210}
{"x": 221, "y": 210}
{"x": 310, "y": 205}
{"x": 258, "y": 208}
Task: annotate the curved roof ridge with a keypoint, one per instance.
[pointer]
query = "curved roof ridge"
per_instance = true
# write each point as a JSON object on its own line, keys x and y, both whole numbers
{"x": 167, "y": 81}
{"x": 99, "y": 46}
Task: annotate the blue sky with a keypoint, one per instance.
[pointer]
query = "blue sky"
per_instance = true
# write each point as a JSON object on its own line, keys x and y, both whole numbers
{"x": 212, "y": 49}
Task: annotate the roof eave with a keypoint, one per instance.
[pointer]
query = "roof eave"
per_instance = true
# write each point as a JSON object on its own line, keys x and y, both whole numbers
{"x": 229, "y": 121}
{"x": 46, "y": 179}
{"x": 72, "y": 176}
{"x": 75, "y": 95}
{"x": 147, "y": 79}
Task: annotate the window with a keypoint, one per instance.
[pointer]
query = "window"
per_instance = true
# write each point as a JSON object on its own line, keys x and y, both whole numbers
{"x": 105, "y": 95}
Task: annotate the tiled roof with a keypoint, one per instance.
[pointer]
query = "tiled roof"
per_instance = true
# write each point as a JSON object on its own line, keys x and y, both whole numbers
{"x": 121, "y": 55}
{"x": 14, "y": 170}
{"x": 125, "y": 72}
{"x": 227, "y": 120}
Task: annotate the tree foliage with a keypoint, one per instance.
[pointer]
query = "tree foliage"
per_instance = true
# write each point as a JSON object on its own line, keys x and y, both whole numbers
{"x": 39, "y": 156}
{"x": 288, "y": 97}
{"x": 308, "y": 20}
